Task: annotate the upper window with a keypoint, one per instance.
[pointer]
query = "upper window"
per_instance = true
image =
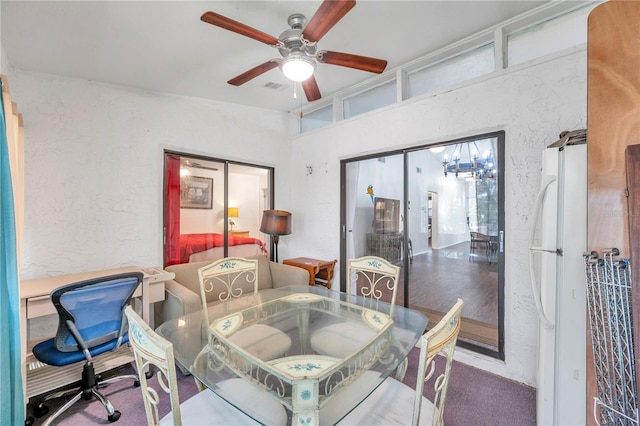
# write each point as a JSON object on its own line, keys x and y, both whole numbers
{"x": 375, "y": 98}
{"x": 565, "y": 30}
{"x": 460, "y": 68}
{"x": 548, "y": 37}
{"x": 316, "y": 119}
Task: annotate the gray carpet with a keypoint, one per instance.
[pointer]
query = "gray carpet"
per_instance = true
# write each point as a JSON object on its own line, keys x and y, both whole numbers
{"x": 475, "y": 397}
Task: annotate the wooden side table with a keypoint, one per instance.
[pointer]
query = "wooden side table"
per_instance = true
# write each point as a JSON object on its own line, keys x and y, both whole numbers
{"x": 320, "y": 271}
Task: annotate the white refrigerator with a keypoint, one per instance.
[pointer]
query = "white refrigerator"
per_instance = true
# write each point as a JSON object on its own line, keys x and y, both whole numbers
{"x": 558, "y": 238}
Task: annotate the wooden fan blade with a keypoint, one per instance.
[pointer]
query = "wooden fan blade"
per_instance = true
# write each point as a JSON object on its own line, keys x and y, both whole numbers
{"x": 311, "y": 89}
{"x": 348, "y": 60}
{"x": 327, "y": 15}
{"x": 254, "y": 72}
{"x": 237, "y": 27}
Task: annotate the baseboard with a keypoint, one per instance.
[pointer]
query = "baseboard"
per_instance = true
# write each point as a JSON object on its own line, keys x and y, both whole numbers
{"x": 471, "y": 329}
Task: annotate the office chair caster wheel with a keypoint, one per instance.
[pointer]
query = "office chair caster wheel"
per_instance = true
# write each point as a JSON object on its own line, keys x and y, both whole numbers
{"x": 114, "y": 417}
{"x": 147, "y": 375}
{"x": 40, "y": 410}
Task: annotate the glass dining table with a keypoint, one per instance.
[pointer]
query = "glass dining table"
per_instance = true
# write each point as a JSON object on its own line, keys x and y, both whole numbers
{"x": 313, "y": 388}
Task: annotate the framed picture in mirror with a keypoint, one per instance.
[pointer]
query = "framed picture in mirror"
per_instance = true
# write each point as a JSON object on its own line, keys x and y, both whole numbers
{"x": 196, "y": 192}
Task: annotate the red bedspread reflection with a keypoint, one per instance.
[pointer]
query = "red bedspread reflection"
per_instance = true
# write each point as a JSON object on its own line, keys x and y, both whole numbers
{"x": 195, "y": 243}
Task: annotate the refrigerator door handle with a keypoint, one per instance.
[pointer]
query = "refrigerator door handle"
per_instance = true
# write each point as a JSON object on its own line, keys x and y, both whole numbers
{"x": 537, "y": 295}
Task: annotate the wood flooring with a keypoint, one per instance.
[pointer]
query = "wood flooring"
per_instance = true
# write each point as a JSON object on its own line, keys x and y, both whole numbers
{"x": 438, "y": 278}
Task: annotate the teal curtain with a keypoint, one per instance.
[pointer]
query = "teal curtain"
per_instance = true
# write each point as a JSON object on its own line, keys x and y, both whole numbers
{"x": 11, "y": 397}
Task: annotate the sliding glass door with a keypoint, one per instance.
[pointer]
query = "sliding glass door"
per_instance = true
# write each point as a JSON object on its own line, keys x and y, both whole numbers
{"x": 374, "y": 216}
{"x": 437, "y": 212}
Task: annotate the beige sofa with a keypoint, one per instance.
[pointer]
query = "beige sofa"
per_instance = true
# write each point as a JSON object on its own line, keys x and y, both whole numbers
{"x": 182, "y": 294}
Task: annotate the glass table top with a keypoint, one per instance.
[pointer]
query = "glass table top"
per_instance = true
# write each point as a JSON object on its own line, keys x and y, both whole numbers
{"x": 318, "y": 352}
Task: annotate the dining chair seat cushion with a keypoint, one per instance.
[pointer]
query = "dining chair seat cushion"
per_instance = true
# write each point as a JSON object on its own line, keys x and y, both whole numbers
{"x": 255, "y": 401}
{"x": 262, "y": 341}
{"x": 207, "y": 408}
{"x": 390, "y": 404}
{"x": 341, "y": 339}
{"x": 357, "y": 391}
{"x": 266, "y": 342}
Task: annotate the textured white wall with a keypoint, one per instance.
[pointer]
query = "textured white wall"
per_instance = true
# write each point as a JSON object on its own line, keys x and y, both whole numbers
{"x": 533, "y": 104}
{"x": 94, "y": 166}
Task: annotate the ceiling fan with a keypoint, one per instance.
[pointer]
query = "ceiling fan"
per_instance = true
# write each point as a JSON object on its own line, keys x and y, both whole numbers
{"x": 297, "y": 46}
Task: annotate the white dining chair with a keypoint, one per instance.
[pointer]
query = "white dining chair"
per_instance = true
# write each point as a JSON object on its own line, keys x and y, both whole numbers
{"x": 205, "y": 407}
{"x": 232, "y": 278}
{"x": 376, "y": 280}
{"x": 393, "y": 402}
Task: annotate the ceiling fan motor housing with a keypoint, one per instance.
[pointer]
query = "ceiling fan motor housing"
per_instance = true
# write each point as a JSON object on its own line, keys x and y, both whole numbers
{"x": 297, "y": 21}
{"x": 291, "y": 40}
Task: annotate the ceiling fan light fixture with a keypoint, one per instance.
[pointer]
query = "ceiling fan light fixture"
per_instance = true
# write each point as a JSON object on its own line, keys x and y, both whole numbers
{"x": 298, "y": 67}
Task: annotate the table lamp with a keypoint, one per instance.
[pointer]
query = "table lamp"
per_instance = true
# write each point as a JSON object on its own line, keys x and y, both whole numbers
{"x": 232, "y": 212}
{"x": 276, "y": 223}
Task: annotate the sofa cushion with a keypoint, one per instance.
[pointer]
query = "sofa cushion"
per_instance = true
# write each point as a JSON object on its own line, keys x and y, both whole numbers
{"x": 264, "y": 272}
{"x": 187, "y": 275}
{"x": 183, "y": 292}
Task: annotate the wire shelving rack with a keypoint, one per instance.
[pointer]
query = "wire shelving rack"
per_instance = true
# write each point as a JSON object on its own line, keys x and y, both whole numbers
{"x": 608, "y": 280}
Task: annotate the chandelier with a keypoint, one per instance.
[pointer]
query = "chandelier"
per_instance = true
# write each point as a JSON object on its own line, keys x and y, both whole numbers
{"x": 473, "y": 165}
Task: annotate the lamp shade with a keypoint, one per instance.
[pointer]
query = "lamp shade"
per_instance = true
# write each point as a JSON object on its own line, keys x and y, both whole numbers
{"x": 232, "y": 211}
{"x": 276, "y": 222}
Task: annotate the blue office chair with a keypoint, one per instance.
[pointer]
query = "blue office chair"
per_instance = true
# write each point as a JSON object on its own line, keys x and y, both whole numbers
{"x": 91, "y": 322}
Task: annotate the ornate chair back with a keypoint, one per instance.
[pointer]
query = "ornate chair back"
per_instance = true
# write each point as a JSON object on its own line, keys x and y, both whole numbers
{"x": 440, "y": 340}
{"x": 151, "y": 349}
{"x": 226, "y": 279}
{"x": 204, "y": 407}
{"x": 374, "y": 278}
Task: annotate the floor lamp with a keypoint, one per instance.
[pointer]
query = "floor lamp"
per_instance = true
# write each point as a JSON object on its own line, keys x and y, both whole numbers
{"x": 276, "y": 223}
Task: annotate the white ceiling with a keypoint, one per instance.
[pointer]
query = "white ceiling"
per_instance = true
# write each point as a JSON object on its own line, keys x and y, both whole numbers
{"x": 163, "y": 46}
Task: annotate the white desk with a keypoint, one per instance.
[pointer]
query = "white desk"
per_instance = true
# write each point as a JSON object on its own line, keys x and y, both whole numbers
{"x": 35, "y": 301}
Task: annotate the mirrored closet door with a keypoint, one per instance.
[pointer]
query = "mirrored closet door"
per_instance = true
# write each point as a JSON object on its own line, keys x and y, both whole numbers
{"x": 213, "y": 208}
